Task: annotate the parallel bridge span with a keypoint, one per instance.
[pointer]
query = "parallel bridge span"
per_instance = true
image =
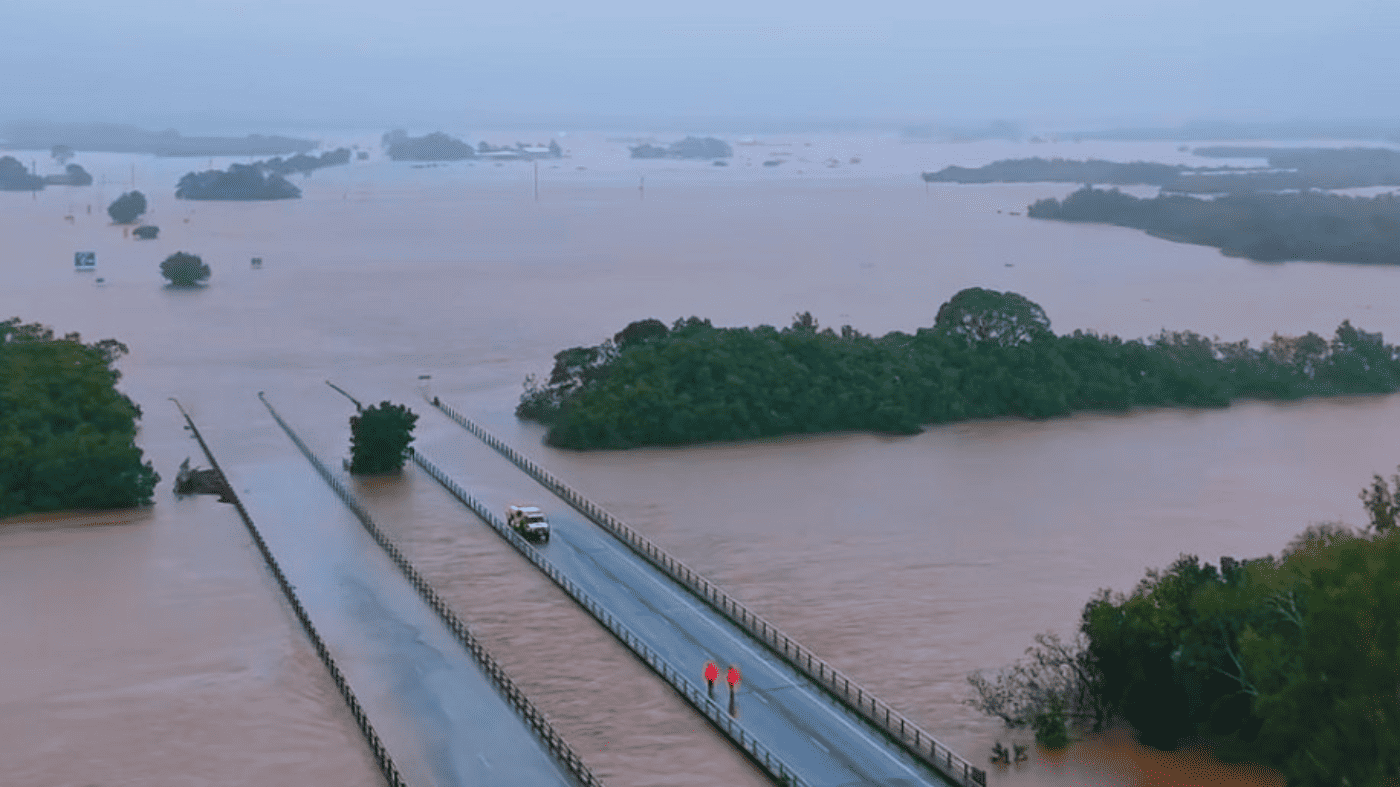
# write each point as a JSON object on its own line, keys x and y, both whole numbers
{"x": 907, "y": 737}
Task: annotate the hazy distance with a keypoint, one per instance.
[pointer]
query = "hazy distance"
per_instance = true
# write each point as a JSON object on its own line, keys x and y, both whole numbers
{"x": 238, "y": 66}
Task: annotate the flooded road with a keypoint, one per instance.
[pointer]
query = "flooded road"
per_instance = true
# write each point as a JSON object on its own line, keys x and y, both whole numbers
{"x": 907, "y": 562}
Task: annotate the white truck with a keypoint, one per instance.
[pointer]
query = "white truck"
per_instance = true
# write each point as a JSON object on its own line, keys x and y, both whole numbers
{"x": 528, "y": 521}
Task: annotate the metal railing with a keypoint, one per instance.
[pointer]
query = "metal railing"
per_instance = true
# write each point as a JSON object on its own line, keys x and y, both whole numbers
{"x": 381, "y": 755}
{"x": 900, "y": 729}
{"x": 556, "y": 744}
{"x": 691, "y": 692}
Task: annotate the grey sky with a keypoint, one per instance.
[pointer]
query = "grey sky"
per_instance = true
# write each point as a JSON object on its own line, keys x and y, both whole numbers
{"x": 220, "y": 64}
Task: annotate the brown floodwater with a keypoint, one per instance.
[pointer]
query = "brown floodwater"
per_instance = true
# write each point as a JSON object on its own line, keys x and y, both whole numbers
{"x": 153, "y": 649}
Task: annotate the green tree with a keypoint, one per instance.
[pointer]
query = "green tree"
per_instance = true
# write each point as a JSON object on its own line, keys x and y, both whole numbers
{"x": 127, "y": 208}
{"x": 1004, "y": 318}
{"x": 1382, "y": 502}
{"x": 67, "y": 436}
{"x": 379, "y": 438}
{"x": 184, "y": 270}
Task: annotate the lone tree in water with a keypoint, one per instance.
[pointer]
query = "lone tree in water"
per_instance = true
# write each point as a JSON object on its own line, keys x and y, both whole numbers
{"x": 379, "y": 438}
{"x": 127, "y": 208}
{"x": 184, "y": 269}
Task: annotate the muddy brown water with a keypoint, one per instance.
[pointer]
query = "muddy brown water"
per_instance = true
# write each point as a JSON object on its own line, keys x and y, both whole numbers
{"x": 153, "y": 649}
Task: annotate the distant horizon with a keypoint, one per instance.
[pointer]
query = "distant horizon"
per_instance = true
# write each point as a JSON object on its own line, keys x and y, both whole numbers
{"x": 914, "y": 128}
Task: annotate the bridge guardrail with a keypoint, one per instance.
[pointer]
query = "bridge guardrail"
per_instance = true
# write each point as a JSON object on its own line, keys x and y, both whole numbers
{"x": 909, "y": 735}
{"x": 381, "y": 754}
{"x": 691, "y": 692}
{"x": 558, "y": 747}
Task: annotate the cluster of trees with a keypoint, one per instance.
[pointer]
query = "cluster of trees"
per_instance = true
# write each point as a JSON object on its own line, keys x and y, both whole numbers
{"x": 690, "y": 147}
{"x": 988, "y": 354}
{"x": 73, "y": 175}
{"x": 240, "y": 182}
{"x": 1264, "y": 226}
{"x": 1058, "y": 170}
{"x": 379, "y": 438}
{"x": 1289, "y": 169}
{"x": 436, "y": 146}
{"x": 1303, "y": 168}
{"x": 127, "y": 208}
{"x": 304, "y": 163}
{"x": 67, "y": 436}
{"x": 1291, "y": 662}
{"x": 14, "y": 176}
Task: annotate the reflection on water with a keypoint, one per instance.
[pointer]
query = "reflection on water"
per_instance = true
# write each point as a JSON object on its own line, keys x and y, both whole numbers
{"x": 907, "y": 562}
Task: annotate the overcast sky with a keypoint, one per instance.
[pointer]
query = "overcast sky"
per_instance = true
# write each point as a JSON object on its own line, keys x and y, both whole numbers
{"x": 222, "y": 65}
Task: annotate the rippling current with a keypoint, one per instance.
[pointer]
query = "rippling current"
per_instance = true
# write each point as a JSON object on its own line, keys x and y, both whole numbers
{"x": 151, "y": 647}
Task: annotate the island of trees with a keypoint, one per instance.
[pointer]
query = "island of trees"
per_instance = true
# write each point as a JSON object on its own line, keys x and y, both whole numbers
{"x": 1261, "y": 226}
{"x": 306, "y": 164}
{"x": 1291, "y": 662}
{"x": 239, "y": 182}
{"x": 1288, "y": 169}
{"x": 68, "y": 435}
{"x": 987, "y": 354}
{"x": 438, "y": 146}
{"x": 690, "y": 147}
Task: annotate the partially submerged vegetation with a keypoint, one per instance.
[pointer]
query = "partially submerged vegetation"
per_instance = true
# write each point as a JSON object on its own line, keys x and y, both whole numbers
{"x": 988, "y": 354}
{"x": 67, "y": 436}
{"x": 239, "y": 182}
{"x": 1288, "y": 169}
{"x": 690, "y": 147}
{"x": 1264, "y": 226}
{"x": 183, "y": 269}
{"x": 379, "y": 438}
{"x": 1291, "y": 662}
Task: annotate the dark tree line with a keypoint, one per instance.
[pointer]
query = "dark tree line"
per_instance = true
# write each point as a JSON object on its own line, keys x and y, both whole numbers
{"x": 1267, "y": 227}
{"x": 1291, "y": 662}
{"x": 1288, "y": 169}
{"x": 239, "y": 182}
{"x": 67, "y": 435}
{"x": 988, "y": 354}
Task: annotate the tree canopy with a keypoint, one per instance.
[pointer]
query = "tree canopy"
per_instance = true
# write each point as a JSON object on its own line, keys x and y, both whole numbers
{"x": 183, "y": 269}
{"x": 67, "y": 436}
{"x": 1291, "y": 662}
{"x": 1004, "y": 318}
{"x": 379, "y": 438}
{"x": 127, "y": 208}
{"x": 989, "y": 354}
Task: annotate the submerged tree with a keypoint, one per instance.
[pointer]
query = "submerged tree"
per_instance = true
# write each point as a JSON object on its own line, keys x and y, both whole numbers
{"x": 379, "y": 438}
{"x": 184, "y": 269}
{"x": 127, "y": 208}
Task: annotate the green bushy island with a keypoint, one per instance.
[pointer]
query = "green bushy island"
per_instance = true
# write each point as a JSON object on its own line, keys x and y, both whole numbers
{"x": 67, "y": 435}
{"x": 988, "y": 354}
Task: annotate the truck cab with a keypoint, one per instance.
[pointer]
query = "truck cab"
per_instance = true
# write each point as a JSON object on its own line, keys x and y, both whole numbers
{"x": 528, "y": 521}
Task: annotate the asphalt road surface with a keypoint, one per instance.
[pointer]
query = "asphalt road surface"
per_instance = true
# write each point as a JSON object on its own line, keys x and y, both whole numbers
{"x": 821, "y": 741}
{"x": 439, "y": 715}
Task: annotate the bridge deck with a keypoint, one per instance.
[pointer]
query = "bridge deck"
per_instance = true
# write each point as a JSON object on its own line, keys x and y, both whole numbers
{"x": 440, "y": 716}
{"x": 823, "y": 742}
